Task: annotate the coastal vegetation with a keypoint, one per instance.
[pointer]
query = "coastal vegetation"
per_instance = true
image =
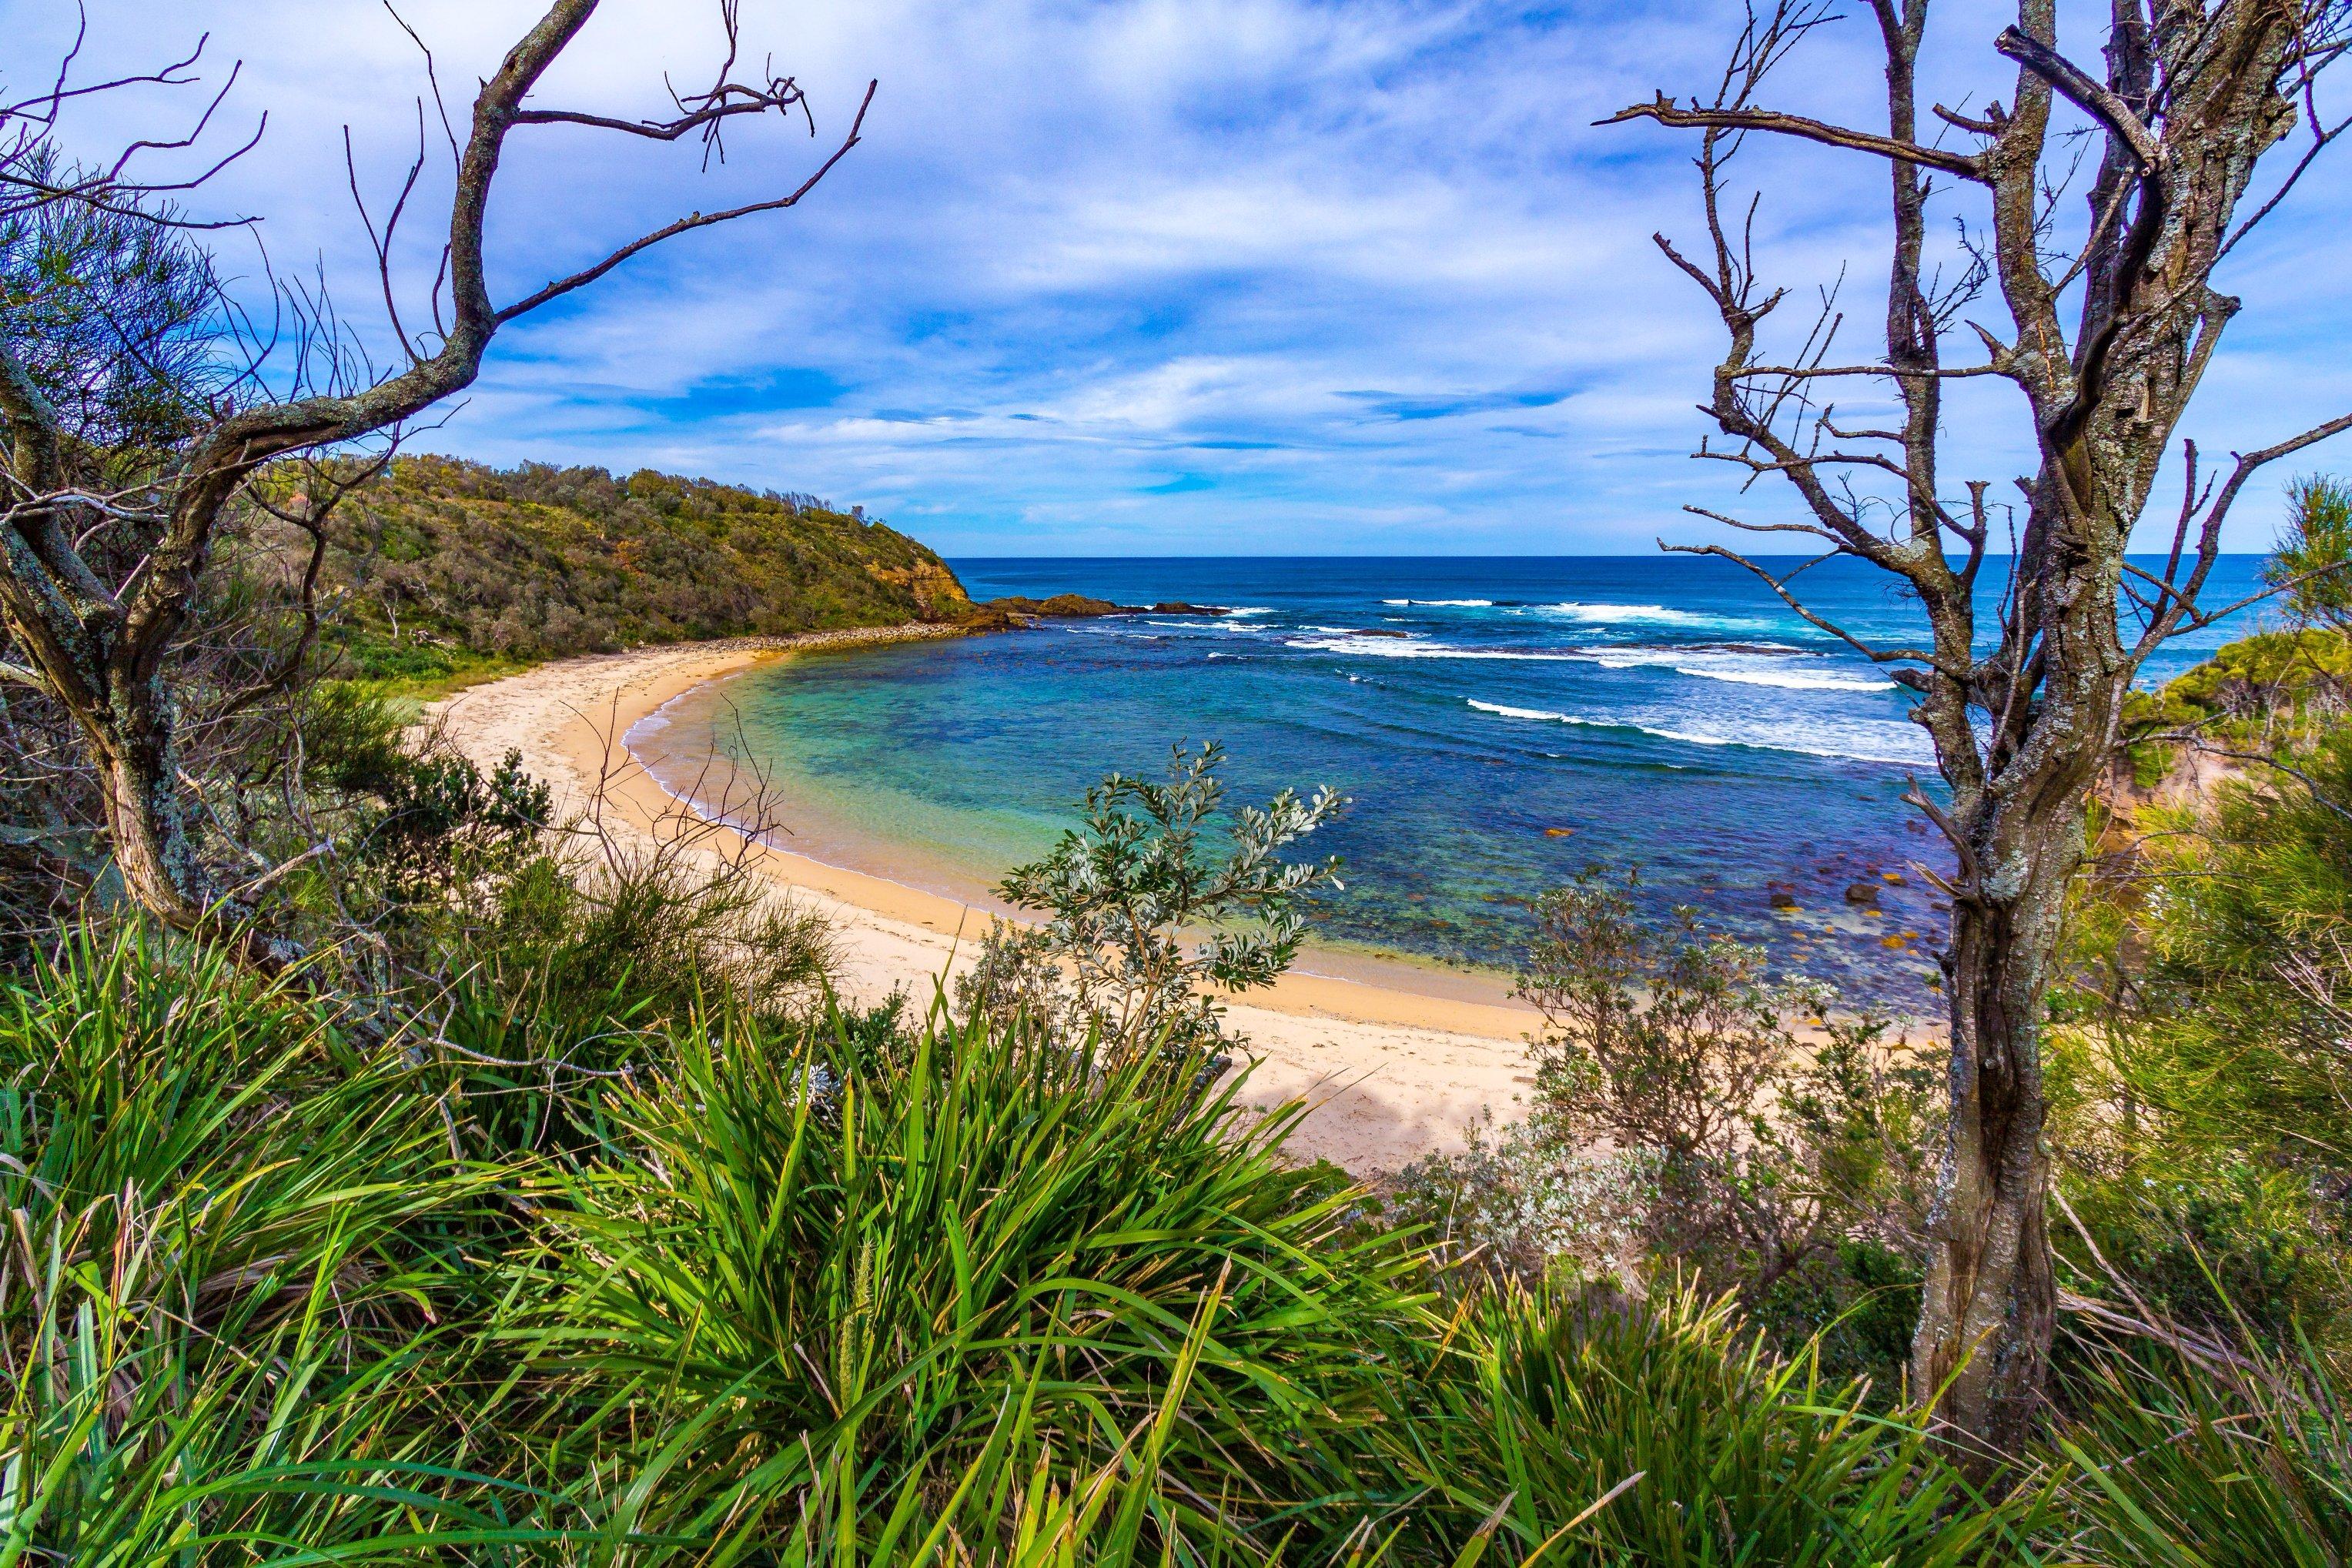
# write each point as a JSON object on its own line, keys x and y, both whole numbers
{"x": 2024, "y": 674}
{"x": 144, "y": 406}
{"x": 595, "y": 1239}
{"x": 1145, "y": 927}
{"x": 435, "y": 568}
{"x": 394, "y": 1171}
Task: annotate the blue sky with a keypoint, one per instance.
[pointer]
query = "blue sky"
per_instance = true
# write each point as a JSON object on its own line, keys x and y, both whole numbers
{"x": 1166, "y": 276}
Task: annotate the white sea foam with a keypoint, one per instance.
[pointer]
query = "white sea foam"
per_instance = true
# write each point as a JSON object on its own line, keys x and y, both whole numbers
{"x": 1445, "y": 603}
{"x": 658, "y": 720}
{"x": 1398, "y": 648}
{"x": 1851, "y": 741}
{"x": 1744, "y": 668}
{"x": 1644, "y": 614}
{"x": 1787, "y": 680}
{"x": 1249, "y": 610}
{"x": 1509, "y": 712}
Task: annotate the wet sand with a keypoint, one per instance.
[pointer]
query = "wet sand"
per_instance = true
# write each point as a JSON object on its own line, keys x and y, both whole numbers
{"x": 1394, "y": 1061}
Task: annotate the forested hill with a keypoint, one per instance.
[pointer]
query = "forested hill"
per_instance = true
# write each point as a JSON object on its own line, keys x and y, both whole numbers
{"x": 440, "y": 564}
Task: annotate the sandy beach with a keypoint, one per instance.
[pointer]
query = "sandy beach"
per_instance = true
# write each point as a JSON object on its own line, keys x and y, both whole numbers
{"x": 1391, "y": 1069}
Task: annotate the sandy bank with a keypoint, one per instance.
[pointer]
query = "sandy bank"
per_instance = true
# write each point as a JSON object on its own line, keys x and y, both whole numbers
{"x": 1392, "y": 1071}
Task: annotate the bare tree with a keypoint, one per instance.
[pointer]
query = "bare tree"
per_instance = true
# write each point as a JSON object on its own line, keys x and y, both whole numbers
{"x": 107, "y": 542}
{"x": 2022, "y": 680}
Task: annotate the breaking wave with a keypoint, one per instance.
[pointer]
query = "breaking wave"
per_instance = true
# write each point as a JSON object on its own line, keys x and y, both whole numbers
{"x": 1647, "y": 615}
{"x": 1788, "y": 680}
{"x": 1866, "y": 740}
{"x": 1400, "y": 648}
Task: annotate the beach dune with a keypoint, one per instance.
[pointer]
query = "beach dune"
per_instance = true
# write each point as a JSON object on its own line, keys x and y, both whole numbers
{"x": 1393, "y": 1064}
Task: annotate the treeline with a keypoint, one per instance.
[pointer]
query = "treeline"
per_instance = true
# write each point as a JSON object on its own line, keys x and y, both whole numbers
{"x": 438, "y": 562}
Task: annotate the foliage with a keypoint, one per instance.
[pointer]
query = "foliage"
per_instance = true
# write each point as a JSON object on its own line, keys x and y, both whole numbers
{"x": 2274, "y": 690}
{"x": 909, "y": 1289}
{"x": 113, "y": 316}
{"x": 2312, "y": 562}
{"x": 2259, "y": 693}
{"x": 1143, "y": 931}
{"x": 1711, "y": 1449}
{"x": 1678, "y": 1117}
{"x": 869, "y": 1269}
{"x": 2202, "y": 1082}
{"x": 440, "y": 565}
{"x": 444, "y": 823}
{"x": 232, "y": 1230}
{"x": 866, "y": 1285}
{"x": 2245, "y": 1463}
{"x": 1529, "y": 1201}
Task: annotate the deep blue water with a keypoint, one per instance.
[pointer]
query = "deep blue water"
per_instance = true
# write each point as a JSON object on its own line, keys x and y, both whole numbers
{"x": 1498, "y": 722}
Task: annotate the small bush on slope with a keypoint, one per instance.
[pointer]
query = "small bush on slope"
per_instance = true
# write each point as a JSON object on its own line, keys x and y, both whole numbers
{"x": 1147, "y": 922}
{"x": 2200, "y": 1084}
{"x": 1680, "y": 1123}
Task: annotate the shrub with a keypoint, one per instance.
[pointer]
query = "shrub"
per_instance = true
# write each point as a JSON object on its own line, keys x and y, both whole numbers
{"x": 2312, "y": 562}
{"x": 1679, "y": 1119}
{"x": 1143, "y": 927}
{"x": 2198, "y": 1080}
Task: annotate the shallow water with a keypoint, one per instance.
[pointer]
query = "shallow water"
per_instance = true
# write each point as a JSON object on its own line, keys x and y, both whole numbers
{"x": 1498, "y": 722}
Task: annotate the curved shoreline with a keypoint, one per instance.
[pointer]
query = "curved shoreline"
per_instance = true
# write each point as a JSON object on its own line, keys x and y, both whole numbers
{"x": 1394, "y": 1071}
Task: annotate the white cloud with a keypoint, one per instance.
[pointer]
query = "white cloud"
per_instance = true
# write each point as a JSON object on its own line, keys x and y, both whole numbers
{"x": 1142, "y": 275}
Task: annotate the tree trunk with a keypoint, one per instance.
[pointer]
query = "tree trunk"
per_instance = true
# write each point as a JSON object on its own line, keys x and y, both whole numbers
{"x": 139, "y": 776}
{"x": 1990, "y": 1302}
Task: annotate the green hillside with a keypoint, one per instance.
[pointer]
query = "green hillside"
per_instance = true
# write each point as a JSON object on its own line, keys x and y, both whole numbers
{"x": 442, "y": 568}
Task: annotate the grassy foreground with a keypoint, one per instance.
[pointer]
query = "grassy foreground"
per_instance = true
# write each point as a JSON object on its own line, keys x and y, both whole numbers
{"x": 281, "y": 1285}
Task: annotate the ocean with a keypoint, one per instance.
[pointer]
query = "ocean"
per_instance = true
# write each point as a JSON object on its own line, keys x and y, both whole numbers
{"x": 1498, "y": 725}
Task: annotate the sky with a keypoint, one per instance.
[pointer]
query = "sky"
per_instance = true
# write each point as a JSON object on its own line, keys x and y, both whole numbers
{"x": 1140, "y": 276}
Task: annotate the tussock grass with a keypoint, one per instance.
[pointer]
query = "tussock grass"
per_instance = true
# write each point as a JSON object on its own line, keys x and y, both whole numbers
{"x": 862, "y": 1269}
{"x": 234, "y": 1242}
{"x": 2193, "y": 1465}
{"x": 876, "y": 1290}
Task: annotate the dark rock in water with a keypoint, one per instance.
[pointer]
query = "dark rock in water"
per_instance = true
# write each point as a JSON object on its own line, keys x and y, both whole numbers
{"x": 1083, "y": 606}
{"x": 1783, "y": 900}
{"x": 1377, "y": 632}
{"x": 1863, "y": 893}
{"x": 1063, "y": 605}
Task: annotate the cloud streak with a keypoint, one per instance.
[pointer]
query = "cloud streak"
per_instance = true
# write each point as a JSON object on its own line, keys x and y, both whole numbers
{"x": 1162, "y": 275}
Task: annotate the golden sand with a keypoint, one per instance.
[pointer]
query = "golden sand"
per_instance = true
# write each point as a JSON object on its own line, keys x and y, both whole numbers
{"x": 1394, "y": 1062}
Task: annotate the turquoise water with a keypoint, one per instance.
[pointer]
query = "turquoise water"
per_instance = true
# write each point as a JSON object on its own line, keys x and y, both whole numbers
{"x": 1498, "y": 724}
